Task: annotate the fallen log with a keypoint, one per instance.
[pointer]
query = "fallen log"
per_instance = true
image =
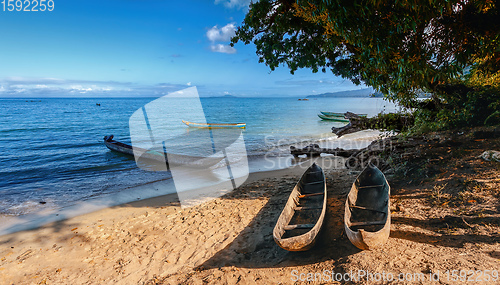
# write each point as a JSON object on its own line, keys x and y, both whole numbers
{"x": 356, "y": 158}
{"x": 375, "y": 146}
{"x": 391, "y": 121}
{"x": 356, "y": 124}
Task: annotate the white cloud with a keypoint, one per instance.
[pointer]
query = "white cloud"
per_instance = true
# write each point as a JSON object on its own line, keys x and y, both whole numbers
{"x": 222, "y": 48}
{"x": 80, "y": 89}
{"x": 53, "y": 87}
{"x": 238, "y": 4}
{"x": 223, "y": 34}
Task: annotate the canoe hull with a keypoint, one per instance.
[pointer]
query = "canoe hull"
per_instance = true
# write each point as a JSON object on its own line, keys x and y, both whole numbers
{"x": 372, "y": 233}
{"x": 215, "y": 126}
{"x": 118, "y": 148}
{"x": 368, "y": 240}
{"x": 305, "y": 241}
{"x": 333, "y": 114}
{"x": 156, "y": 156}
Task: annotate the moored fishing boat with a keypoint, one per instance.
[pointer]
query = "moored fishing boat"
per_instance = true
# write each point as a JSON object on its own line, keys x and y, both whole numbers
{"x": 214, "y": 126}
{"x": 335, "y": 119}
{"x": 302, "y": 218}
{"x": 333, "y": 114}
{"x": 367, "y": 218}
{"x": 160, "y": 156}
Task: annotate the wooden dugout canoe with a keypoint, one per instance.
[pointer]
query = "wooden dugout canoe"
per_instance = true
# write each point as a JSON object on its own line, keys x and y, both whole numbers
{"x": 333, "y": 114}
{"x": 367, "y": 218}
{"x": 215, "y": 126}
{"x": 335, "y": 119}
{"x": 300, "y": 221}
{"x": 160, "y": 156}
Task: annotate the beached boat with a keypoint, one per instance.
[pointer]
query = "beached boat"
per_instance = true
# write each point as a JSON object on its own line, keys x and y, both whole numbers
{"x": 160, "y": 156}
{"x": 301, "y": 219}
{"x": 367, "y": 218}
{"x": 335, "y": 119}
{"x": 333, "y": 114}
{"x": 215, "y": 126}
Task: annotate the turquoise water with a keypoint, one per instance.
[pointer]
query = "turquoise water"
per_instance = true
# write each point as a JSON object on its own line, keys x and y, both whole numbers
{"x": 52, "y": 154}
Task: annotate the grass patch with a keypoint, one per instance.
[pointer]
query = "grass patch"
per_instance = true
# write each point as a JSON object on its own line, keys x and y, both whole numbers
{"x": 438, "y": 197}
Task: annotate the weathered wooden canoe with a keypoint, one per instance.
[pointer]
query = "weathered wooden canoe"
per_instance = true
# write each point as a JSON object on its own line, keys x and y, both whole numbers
{"x": 333, "y": 114}
{"x": 335, "y": 119}
{"x": 367, "y": 218}
{"x": 160, "y": 156}
{"x": 301, "y": 219}
{"x": 215, "y": 126}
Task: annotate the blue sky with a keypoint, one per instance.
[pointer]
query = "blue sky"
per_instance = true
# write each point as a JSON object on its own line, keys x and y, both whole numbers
{"x": 140, "y": 48}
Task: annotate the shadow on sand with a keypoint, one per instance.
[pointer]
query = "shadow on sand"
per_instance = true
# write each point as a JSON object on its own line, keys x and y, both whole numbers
{"x": 443, "y": 224}
{"x": 254, "y": 247}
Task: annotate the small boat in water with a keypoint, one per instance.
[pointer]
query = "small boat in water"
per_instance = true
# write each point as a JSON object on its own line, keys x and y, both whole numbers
{"x": 160, "y": 156}
{"x": 215, "y": 126}
{"x": 332, "y": 118}
{"x": 333, "y": 114}
{"x": 300, "y": 221}
{"x": 367, "y": 218}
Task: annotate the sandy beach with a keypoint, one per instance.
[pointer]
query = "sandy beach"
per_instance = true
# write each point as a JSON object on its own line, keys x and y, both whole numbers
{"x": 179, "y": 142}
{"x": 228, "y": 240}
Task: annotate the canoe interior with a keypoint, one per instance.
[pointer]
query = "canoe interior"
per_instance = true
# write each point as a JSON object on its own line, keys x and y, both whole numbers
{"x": 370, "y": 203}
{"x": 367, "y": 219}
{"x": 302, "y": 217}
{"x": 311, "y": 206}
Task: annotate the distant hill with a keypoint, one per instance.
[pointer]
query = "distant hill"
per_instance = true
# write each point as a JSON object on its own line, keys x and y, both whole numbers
{"x": 367, "y": 92}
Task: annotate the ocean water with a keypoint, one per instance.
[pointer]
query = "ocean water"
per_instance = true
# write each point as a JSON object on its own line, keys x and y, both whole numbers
{"x": 52, "y": 154}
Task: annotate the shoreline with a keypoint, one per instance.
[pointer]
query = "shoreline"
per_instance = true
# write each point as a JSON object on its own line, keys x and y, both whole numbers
{"x": 22, "y": 249}
{"x": 42, "y": 211}
{"x": 445, "y": 220}
{"x": 294, "y": 170}
{"x": 149, "y": 191}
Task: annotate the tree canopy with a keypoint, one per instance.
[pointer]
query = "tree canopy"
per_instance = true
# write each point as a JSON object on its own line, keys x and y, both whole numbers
{"x": 400, "y": 48}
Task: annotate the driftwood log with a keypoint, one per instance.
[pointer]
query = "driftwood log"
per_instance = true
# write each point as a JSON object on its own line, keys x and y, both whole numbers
{"x": 314, "y": 150}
